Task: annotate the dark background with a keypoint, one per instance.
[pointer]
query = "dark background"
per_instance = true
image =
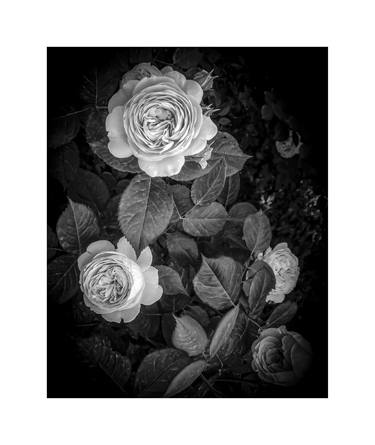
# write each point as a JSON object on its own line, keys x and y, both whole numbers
{"x": 298, "y": 76}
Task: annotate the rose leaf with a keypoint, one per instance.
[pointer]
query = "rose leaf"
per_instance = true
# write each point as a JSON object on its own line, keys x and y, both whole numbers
{"x": 97, "y": 351}
{"x": 259, "y": 286}
{"x": 226, "y": 146}
{"x": 218, "y": 282}
{"x": 257, "y": 232}
{"x": 145, "y": 210}
{"x": 223, "y": 330}
{"x": 62, "y": 278}
{"x": 185, "y": 378}
{"x": 205, "y": 220}
{"x": 207, "y": 188}
{"x": 157, "y": 371}
{"x": 77, "y": 227}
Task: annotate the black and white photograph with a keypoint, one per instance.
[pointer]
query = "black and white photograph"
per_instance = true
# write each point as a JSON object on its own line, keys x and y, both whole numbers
{"x": 187, "y": 222}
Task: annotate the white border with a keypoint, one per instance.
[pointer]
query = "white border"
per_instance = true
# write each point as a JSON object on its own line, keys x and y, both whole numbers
{"x": 28, "y": 417}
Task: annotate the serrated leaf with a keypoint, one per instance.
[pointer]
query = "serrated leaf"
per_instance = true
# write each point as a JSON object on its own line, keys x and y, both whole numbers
{"x": 170, "y": 281}
{"x": 192, "y": 170}
{"x": 240, "y": 211}
{"x": 88, "y": 188}
{"x": 77, "y": 227}
{"x": 223, "y": 330}
{"x": 182, "y": 249}
{"x": 99, "y": 85}
{"x": 158, "y": 369}
{"x": 185, "y": 378}
{"x": 189, "y": 336}
{"x": 97, "y": 351}
{"x": 226, "y": 146}
{"x": 145, "y": 209}
{"x": 207, "y": 188}
{"x": 205, "y": 220}
{"x": 65, "y": 163}
{"x": 182, "y": 202}
{"x": 230, "y": 191}
{"x": 282, "y": 314}
{"x": 257, "y": 232}
{"x": 63, "y": 129}
{"x": 258, "y": 287}
{"x": 52, "y": 243}
{"x": 218, "y": 282}
{"x": 62, "y": 278}
{"x": 238, "y": 341}
{"x": 233, "y": 229}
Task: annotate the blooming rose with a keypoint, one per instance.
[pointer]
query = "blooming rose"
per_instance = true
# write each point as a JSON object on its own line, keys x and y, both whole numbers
{"x": 289, "y": 148}
{"x": 285, "y": 267}
{"x": 158, "y": 119}
{"x": 280, "y": 357}
{"x": 115, "y": 283}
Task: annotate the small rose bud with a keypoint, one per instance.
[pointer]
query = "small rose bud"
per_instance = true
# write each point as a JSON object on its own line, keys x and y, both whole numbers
{"x": 205, "y": 79}
{"x": 189, "y": 336}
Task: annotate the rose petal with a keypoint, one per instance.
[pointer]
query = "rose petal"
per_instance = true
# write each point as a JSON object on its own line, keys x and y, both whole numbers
{"x": 196, "y": 146}
{"x": 118, "y": 99}
{"x": 275, "y": 297}
{"x": 166, "y": 69}
{"x": 145, "y": 259}
{"x": 152, "y": 291}
{"x": 194, "y": 90}
{"x": 150, "y": 81}
{"x": 166, "y": 167}
{"x": 119, "y": 148}
{"x": 179, "y": 78}
{"x": 100, "y": 246}
{"x": 123, "y": 246}
{"x": 208, "y": 129}
{"x": 83, "y": 260}
{"x": 126, "y": 315}
{"x": 114, "y": 123}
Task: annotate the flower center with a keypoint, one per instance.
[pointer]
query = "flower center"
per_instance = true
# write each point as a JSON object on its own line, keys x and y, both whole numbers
{"x": 160, "y": 122}
{"x": 107, "y": 280}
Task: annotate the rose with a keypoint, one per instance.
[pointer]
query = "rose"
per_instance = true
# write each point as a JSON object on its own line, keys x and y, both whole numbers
{"x": 158, "y": 119}
{"x": 289, "y": 148}
{"x": 280, "y": 357}
{"x": 115, "y": 283}
{"x": 285, "y": 267}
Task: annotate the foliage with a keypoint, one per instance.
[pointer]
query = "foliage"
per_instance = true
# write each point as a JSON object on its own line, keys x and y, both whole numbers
{"x": 206, "y": 228}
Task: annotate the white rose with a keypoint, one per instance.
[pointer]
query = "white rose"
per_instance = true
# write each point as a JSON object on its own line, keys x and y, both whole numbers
{"x": 285, "y": 267}
{"x": 115, "y": 283}
{"x": 159, "y": 120}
